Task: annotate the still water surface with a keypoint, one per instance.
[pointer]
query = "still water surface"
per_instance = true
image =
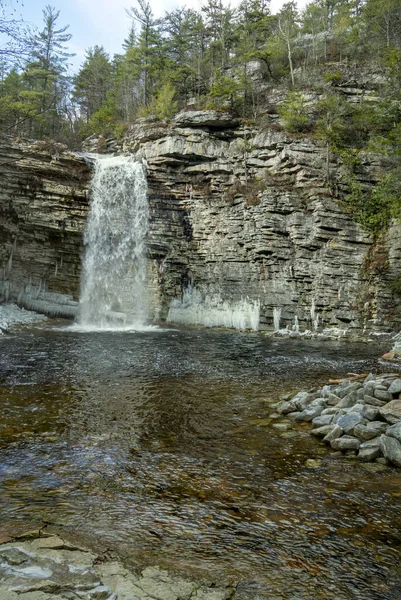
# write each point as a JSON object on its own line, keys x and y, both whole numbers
{"x": 157, "y": 446}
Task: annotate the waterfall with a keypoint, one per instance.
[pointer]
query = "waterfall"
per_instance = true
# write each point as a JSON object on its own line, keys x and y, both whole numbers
{"x": 276, "y": 318}
{"x": 113, "y": 285}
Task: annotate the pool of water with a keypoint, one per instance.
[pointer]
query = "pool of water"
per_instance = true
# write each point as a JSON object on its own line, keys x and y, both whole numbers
{"x": 158, "y": 446}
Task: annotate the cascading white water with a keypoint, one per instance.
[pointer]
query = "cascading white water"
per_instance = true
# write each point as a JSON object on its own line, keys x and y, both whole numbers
{"x": 113, "y": 286}
{"x": 276, "y": 318}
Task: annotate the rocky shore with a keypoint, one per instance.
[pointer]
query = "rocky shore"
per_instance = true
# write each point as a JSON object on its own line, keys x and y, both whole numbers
{"x": 41, "y": 566}
{"x": 360, "y": 416}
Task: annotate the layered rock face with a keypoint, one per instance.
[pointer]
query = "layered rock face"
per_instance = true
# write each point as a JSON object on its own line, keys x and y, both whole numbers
{"x": 244, "y": 214}
{"x": 240, "y": 215}
{"x": 43, "y": 211}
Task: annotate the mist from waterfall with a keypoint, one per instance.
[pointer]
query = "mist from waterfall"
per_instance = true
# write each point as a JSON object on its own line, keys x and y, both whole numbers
{"x": 113, "y": 284}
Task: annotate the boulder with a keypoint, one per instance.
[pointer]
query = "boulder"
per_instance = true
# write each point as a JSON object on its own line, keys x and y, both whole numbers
{"x": 370, "y": 430}
{"x": 370, "y": 413}
{"x": 394, "y": 431}
{"x": 349, "y": 421}
{"x": 395, "y": 387}
{"x": 322, "y": 431}
{"x": 391, "y": 411}
{"x": 348, "y": 400}
{"x": 369, "y": 452}
{"x": 322, "y": 420}
{"x": 206, "y": 118}
{"x": 382, "y": 393}
{"x": 347, "y": 442}
{"x": 309, "y": 413}
{"x": 372, "y": 401}
{"x": 334, "y": 433}
{"x": 391, "y": 449}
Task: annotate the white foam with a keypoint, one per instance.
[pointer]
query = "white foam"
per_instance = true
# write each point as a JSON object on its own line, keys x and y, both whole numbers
{"x": 113, "y": 287}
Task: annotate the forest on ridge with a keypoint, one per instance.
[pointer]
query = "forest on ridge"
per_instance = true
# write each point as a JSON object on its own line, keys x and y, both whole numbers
{"x": 220, "y": 57}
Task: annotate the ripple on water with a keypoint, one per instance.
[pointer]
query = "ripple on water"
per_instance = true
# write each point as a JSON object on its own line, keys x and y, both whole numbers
{"x": 158, "y": 443}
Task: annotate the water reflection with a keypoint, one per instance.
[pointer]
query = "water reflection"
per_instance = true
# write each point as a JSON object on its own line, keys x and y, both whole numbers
{"x": 158, "y": 444}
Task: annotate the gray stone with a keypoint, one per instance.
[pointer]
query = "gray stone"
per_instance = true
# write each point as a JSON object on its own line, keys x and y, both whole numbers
{"x": 369, "y": 453}
{"x": 331, "y": 410}
{"x": 322, "y": 431}
{"x": 391, "y": 449}
{"x": 391, "y": 411}
{"x": 284, "y": 407}
{"x": 346, "y": 442}
{"x": 322, "y": 420}
{"x": 309, "y": 413}
{"x": 294, "y": 415}
{"x": 360, "y": 396}
{"x": 370, "y": 430}
{"x": 372, "y": 401}
{"x": 357, "y": 408}
{"x": 395, "y": 387}
{"x": 370, "y": 413}
{"x": 348, "y": 400}
{"x": 382, "y": 394}
{"x": 303, "y": 399}
{"x": 206, "y": 118}
{"x": 334, "y": 432}
{"x": 394, "y": 431}
{"x": 318, "y": 402}
{"x": 349, "y": 421}
{"x": 332, "y": 399}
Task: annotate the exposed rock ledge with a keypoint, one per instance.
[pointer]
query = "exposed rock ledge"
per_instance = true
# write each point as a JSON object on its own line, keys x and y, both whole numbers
{"x": 37, "y": 566}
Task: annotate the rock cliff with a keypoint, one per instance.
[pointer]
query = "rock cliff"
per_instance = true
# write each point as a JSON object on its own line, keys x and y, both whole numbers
{"x": 237, "y": 214}
{"x": 247, "y": 214}
{"x": 43, "y": 210}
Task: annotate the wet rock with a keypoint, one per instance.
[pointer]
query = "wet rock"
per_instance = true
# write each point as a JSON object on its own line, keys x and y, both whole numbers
{"x": 309, "y": 413}
{"x": 294, "y": 415}
{"x": 284, "y": 407}
{"x": 346, "y": 442}
{"x": 369, "y": 451}
{"x": 322, "y": 420}
{"x": 370, "y": 430}
{"x": 394, "y": 431}
{"x": 391, "y": 411}
{"x": 313, "y": 463}
{"x": 395, "y": 387}
{"x": 349, "y": 421}
{"x": 303, "y": 400}
{"x": 334, "y": 433}
{"x": 322, "y": 431}
{"x": 391, "y": 449}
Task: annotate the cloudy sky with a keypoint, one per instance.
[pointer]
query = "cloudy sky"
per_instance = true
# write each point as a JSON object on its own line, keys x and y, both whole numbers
{"x": 101, "y": 22}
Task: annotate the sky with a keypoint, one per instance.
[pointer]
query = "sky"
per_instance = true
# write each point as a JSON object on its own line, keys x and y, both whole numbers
{"x": 102, "y": 22}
